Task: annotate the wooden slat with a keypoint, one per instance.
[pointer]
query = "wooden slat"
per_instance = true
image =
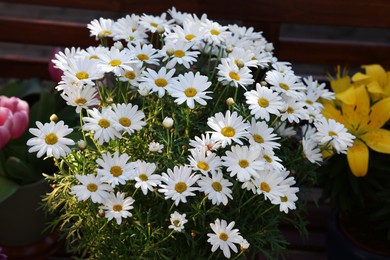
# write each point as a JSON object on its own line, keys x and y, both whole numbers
{"x": 45, "y": 32}
{"x": 323, "y": 51}
{"x": 22, "y": 67}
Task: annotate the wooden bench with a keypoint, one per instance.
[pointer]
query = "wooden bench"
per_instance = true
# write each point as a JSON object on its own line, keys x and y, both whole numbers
{"x": 275, "y": 18}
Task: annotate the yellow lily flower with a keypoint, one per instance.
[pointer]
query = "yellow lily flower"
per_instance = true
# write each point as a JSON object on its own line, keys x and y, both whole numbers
{"x": 365, "y": 122}
{"x": 376, "y": 79}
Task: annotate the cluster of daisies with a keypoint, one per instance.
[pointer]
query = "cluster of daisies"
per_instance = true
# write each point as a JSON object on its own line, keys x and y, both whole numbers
{"x": 236, "y": 148}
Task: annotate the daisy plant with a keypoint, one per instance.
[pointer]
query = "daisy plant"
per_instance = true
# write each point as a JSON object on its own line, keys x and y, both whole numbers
{"x": 193, "y": 141}
{"x": 361, "y": 179}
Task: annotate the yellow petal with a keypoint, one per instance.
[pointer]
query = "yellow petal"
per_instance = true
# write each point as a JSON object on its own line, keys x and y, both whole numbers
{"x": 378, "y": 140}
{"x": 360, "y": 77}
{"x": 357, "y": 114}
{"x": 330, "y": 111}
{"x": 358, "y": 156}
{"x": 340, "y": 84}
{"x": 374, "y": 87}
{"x": 347, "y": 96}
{"x": 376, "y": 72}
{"x": 380, "y": 114}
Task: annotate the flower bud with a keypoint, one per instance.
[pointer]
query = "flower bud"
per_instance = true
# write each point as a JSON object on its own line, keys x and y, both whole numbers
{"x": 160, "y": 29}
{"x": 109, "y": 100}
{"x": 230, "y": 102}
{"x": 5, "y": 126}
{"x": 101, "y": 213}
{"x": 82, "y": 144}
{"x": 170, "y": 52}
{"x": 54, "y": 118}
{"x": 167, "y": 122}
{"x": 240, "y": 63}
{"x": 229, "y": 49}
{"x": 143, "y": 90}
{"x": 55, "y": 73}
{"x": 264, "y": 83}
{"x": 118, "y": 45}
{"x": 17, "y": 112}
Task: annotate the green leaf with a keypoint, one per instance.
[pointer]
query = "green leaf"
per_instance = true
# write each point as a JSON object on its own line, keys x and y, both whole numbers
{"x": 7, "y": 188}
{"x": 22, "y": 89}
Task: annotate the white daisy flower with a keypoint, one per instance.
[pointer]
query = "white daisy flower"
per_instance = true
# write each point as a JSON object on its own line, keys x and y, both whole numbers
{"x": 115, "y": 169}
{"x": 62, "y": 58}
{"x": 100, "y": 28}
{"x": 206, "y": 141}
{"x": 287, "y": 201}
{"x": 189, "y": 88}
{"x": 244, "y": 245}
{"x": 245, "y": 55}
{"x": 320, "y": 90}
{"x": 132, "y": 76}
{"x": 204, "y": 162}
{"x": 50, "y": 139}
{"x": 263, "y": 102}
{"x": 182, "y": 54}
{"x": 151, "y": 22}
{"x": 178, "y": 184}
{"x": 81, "y": 97}
{"x": 287, "y": 84}
{"x": 159, "y": 82}
{"x": 113, "y": 60}
{"x": 215, "y": 33}
{"x": 268, "y": 184}
{"x": 284, "y": 130}
{"x": 129, "y": 29}
{"x": 331, "y": 132}
{"x": 83, "y": 71}
{"x": 231, "y": 75}
{"x": 243, "y": 162}
{"x": 224, "y": 237}
{"x": 155, "y": 147}
{"x": 271, "y": 161}
{"x": 261, "y": 136}
{"x": 92, "y": 52}
{"x": 177, "y": 221}
{"x": 216, "y": 188}
{"x": 311, "y": 151}
{"x": 102, "y": 124}
{"x": 91, "y": 187}
{"x": 229, "y": 127}
{"x": 189, "y": 32}
{"x": 127, "y": 118}
{"x": 145, "y": 54}
{"x": 117, "y": 206}
{"x": 293, "y": 111}
{"x": 144, "y": 177}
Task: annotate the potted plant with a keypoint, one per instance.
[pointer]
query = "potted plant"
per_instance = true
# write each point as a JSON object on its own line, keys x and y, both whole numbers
{"x": 357, "y": 184}
{"x": 193, "y": 141}
{"x": 22, "y": 184}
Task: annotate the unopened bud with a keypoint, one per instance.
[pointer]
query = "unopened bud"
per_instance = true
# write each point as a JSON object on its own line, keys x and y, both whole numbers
{"x": 81, "y": 144}
{"x": 264, "y": 83}
{"x": 170, "y": 52}
{"x": 167, "y": 122}
{"x": 240, "y": 63}
{"x": 54, "y": 118}
{"x": 229, "y": 49}
{"x": 230, "y": 102}
{"x": 101, "y": 213}
{"x": 160, "y": 29}
{"x": 109, "y": 100}
{"x": 118, "y": 45}
{"x": 193, "y": 234}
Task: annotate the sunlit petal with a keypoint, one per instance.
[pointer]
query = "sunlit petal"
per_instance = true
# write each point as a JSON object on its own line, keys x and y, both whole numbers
{"x": 380, "y": 114}
{"x": 358, "y": 156}
{"x": 378, "y": 140}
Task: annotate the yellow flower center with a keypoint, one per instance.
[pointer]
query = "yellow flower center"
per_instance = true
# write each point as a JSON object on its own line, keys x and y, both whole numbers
{"x": 284, "y": 86}
{"x": 82, "y": 75}
{"x": 161, "y": 82}
{"x": 92, "y": 187}
{"x": 290, "y": 110}
{"x": 214, "y": 32}
{"x": 115, "y": 63}
{"x": 80, "y": 101}
{"x": 223, "y": 236}
{"x": 125, "y": 121}
{"x": 131, "y": 38}
{"x": 228, "y": 131}
{"x": 142, "y": 57}
{"x": 116, "y": 171}
{"x": 203, "y": 166}
{"x": 331, "y": 133}
{"x": 117, "y": 207}
{"x": 189, "y": 37}
{"x": 180, "y": 187}
{"x": 130, "y": 75}
{"x": 216, "y": 186}
{"x": 267, "y": 158}
{"x": 234, "y": 75}
{"x": 258, "y": 138}
{"x": 265, "y": 187}
{"x": 283, "y": 199}
{"x": 190, "y": 92}
{"x": 93, "y": 57}
{"x": 104, "y": 123}
{"x": 309, "y": 102}
{"x": 243, "y": 163}
{"x": 179, "y": 53}
{"x": 51, "y": 139}
{"x": 105, "y": 32}
{"x": 154, "y": 25}
{"x": 263, "y": 102}
{"x": 143, "y": 177}
{"x": 176, "y": 223}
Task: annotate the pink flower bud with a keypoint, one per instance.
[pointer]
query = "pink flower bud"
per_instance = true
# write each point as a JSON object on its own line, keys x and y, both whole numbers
{"x": 55, "y": 73}
{"x": 19, "y": 110}
{"x": 5, "y": 126}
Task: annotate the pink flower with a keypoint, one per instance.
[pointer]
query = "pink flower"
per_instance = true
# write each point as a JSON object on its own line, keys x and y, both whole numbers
{"x": 14, "y": 118}
{"x": 55, "y": 73}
